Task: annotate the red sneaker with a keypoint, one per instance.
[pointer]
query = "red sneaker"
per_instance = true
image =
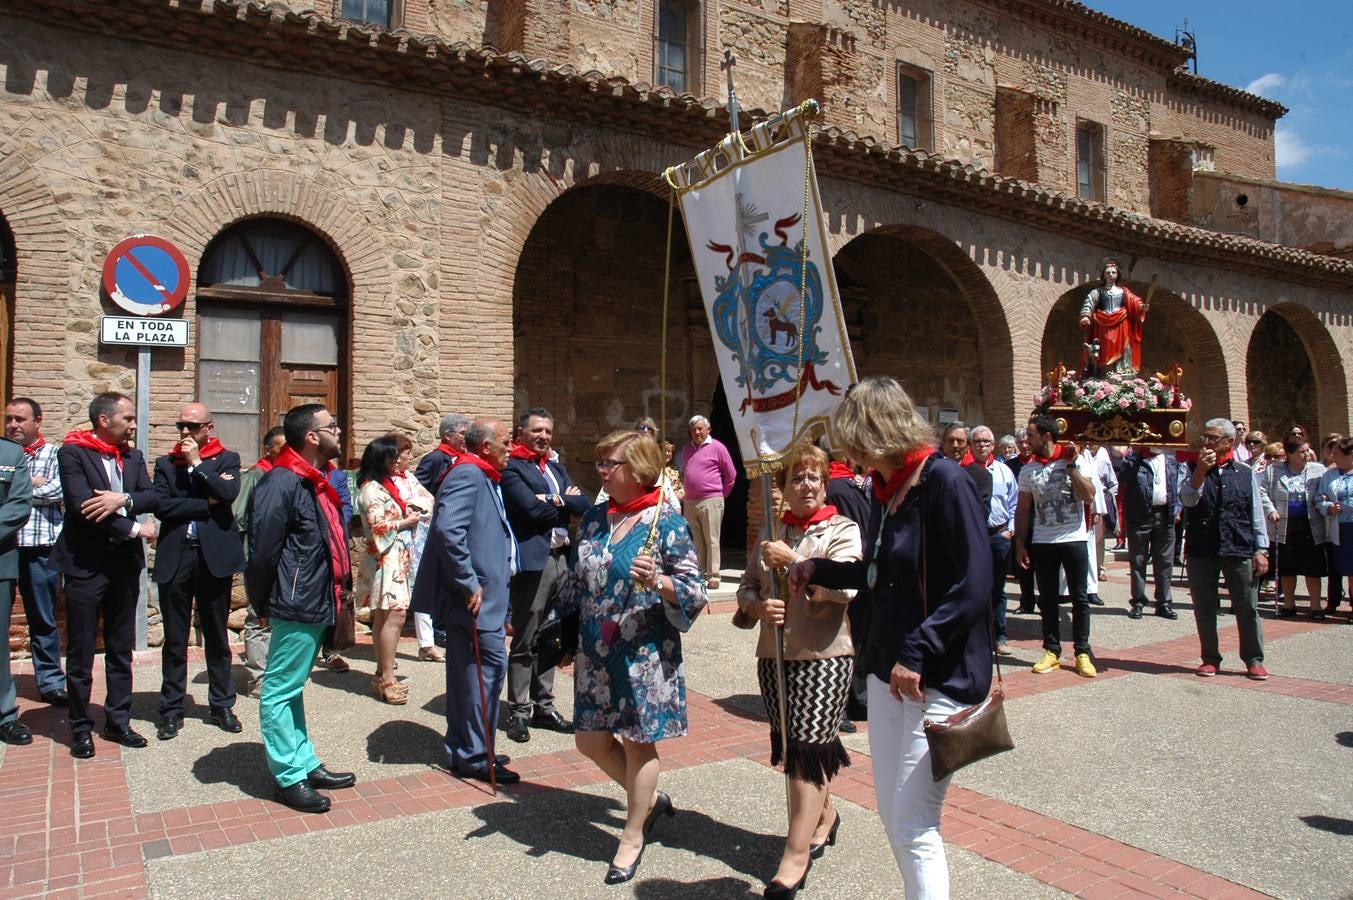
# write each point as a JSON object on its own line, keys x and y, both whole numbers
{"x": 1206, "y": 670}
{"x": 1256, "y": 672}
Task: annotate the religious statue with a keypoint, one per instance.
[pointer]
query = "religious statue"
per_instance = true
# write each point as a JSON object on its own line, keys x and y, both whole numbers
{"x": 1112, "y": 318}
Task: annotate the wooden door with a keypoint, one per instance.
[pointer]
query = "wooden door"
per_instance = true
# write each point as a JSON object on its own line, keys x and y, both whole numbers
{"x": 6, "y": 338}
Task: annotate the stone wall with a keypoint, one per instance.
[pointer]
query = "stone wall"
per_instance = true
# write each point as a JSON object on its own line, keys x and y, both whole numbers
{"x": 1318, "y": 219}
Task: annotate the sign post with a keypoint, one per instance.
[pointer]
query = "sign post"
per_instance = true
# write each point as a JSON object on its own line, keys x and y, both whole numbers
{"x": 146, "y": 276}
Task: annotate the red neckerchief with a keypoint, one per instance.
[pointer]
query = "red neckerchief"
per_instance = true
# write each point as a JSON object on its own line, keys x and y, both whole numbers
{"x": 390, "y": 487}
{"x": 89, "y": 441}
{"x": 1058, "y": 451}
{"x": 910, "y": 462}
{"x": 211, "y": 447}
{"x": 967, "y": 459}
{"x": 469, "y": 457}
{"x": 821, "y": 515}
{"x": 1145, "y": 453}
{"x": 643, "y": 501}
{"x": 1225, "y": 458}
{"x": 521, "y": 451}
{"x": 33, "y": 448}
{"x": 326, "y": 495}
{"x": 265, "y": 465}
{"x": 449, "y": 450}
{"x": 839, "y": 470}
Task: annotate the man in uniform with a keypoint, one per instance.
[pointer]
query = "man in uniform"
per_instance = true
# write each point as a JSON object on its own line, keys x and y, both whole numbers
{"x": 16, "y": 501}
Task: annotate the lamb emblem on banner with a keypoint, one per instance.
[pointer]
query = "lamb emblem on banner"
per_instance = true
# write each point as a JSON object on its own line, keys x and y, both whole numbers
{"x": 756, "y": 313}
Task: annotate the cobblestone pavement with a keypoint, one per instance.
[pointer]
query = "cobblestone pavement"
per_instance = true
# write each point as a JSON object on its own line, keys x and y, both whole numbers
{"x": 1146, "y": 781}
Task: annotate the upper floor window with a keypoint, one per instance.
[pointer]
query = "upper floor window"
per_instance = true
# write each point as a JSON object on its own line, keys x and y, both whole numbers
{"x": 915, "y": 120}
{"x": 1090, "y": 175}
{"x": 677, "y": 53}
{"x": 369, "y": 12}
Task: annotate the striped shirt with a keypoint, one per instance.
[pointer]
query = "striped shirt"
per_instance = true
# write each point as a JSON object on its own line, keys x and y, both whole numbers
{"x": 44, "y": 525}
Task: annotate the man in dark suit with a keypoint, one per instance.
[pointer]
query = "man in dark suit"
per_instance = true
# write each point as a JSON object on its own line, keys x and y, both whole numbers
{"x": 434, "y": 465}
{"x": 105, "y": 487}
{"x": 1151, "y": 504}
{"x": 540, "y": 499}
{"x": 16, "y": 503}
{"x": 462, "y": 580}
{"x": 199, "y": 551}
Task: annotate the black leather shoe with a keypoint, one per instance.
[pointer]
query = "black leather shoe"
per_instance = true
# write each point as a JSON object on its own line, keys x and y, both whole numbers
{"x": 552, "y": 721}
{"x": 321, "y": 777}
{"x": 621, "y": 874}
{"x": 15, "y": 732}
{"x": 501, "y": 775}
{"x": 780, "y": 891}
{"x": 817, "y": 851}
{"x": 58, "y": 697}
{"x": 169, "y": 728}
{"x": 517, "y": 729}
{"x": 847, "y": 727}
{"x": 1136, "y": 611}
{"x": 1095, "y": 600}
{"x": 501, "y": 759}
{"x": 82, "y": 745}
{"x": 1166, "y": 611}
{"x": 302, "y": 798}
{"x": 1027, "y": 611}
{"x": 661, "y": 807}
{"x": 225, "y": 720}
{"x": 124, "y": 736}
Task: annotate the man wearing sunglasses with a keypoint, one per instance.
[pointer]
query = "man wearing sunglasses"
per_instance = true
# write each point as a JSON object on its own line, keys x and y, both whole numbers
{"x": 199, "y": 551}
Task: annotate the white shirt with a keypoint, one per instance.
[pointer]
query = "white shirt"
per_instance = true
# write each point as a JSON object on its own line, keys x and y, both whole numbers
{"x": 1160, "y": 494}
{"x": 1058, "y": 514}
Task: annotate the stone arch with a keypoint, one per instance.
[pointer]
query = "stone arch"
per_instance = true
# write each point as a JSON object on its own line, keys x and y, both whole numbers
{"x": 946, "y": 341}
{"x": 43, "y": 249}
{"x": 1175, "y": 332}
{"x": 1320, "y": 405}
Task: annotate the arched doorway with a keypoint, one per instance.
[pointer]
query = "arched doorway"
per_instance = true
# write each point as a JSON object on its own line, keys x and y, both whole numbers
{"x": 587, "y": 320}
{"x": 9, "y": 269}
{"x": 919, "y": 310}
{"x": 1174, "y": 332}
{"x": 1294, "y": 374}
{"x": 272, "y": 300}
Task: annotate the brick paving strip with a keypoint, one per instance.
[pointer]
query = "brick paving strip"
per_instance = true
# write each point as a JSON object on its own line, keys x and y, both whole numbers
{"x": 68, "y": 829}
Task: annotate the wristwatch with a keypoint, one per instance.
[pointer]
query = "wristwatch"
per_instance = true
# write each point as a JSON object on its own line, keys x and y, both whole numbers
{"x": 127, "y": 502}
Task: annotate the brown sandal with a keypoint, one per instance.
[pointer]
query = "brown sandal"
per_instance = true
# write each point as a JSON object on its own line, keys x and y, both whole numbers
{"x": 391, "y": 692}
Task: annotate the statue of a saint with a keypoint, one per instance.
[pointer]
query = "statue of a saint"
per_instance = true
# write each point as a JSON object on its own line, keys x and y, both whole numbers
{"x": 1112, "y": 318}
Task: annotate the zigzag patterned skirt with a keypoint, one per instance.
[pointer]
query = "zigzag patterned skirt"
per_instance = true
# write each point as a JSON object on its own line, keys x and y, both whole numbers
{"x": 816, "y": 690}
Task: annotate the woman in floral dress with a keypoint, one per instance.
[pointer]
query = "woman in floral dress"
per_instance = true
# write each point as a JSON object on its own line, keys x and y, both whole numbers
{"x": 637, "y": 587}
{"x": 387, "y": 566}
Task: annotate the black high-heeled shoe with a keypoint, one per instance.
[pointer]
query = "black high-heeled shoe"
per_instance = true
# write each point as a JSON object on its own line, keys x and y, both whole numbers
{"x": 777, "y": 891}
{"x": 816, "y": 851}
{"x": 621, "y": 874}
{"x": 661, "y": 807}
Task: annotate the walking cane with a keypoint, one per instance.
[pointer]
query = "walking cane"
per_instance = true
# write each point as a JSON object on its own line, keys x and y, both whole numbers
{"x": 782, "y": 588}
{"x": 489, "y": 727}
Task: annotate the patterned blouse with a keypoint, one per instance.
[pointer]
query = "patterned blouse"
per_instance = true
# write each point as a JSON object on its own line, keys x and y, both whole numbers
{"x": 387, "y": 567}
{"x": 628, "y": 676}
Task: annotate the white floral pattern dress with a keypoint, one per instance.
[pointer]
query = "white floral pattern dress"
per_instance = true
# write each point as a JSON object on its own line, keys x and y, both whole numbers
{"x": 386, "y": 575}
{"x": 628, "y": 676}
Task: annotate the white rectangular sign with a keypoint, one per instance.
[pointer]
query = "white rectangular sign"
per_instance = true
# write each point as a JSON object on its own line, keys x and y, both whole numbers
{"x": 143, "y": 332}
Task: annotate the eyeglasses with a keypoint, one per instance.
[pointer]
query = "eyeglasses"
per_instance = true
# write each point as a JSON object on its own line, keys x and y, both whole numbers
{"x": 1253, "y": 443}
{"x": 1213, "y": 438}
{"x": 191, "y": 426}
{"x": 606, "y": 466}
{"x": 982, "y": 442}
{"x": 332, "y": 427}
{"x": 812, "y": 478}
{"x": 648, "y": 428}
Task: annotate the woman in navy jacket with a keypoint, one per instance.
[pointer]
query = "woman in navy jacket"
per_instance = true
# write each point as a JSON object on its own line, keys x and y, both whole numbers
{"x": 929, "y": 651}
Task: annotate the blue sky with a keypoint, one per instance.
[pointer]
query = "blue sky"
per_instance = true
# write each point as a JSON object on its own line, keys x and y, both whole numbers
{"x": 1299, "y": 53}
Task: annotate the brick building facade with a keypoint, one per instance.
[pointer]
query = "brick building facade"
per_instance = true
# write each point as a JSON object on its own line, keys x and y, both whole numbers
{"x": 458, "y": 207}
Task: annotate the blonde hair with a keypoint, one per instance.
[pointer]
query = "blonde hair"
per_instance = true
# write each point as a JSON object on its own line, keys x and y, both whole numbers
{"x": 640, "y": 452}
{"x": 1275, "y": 451}
{"x": 806, "y": 456}
{"x": 877, "y": 421}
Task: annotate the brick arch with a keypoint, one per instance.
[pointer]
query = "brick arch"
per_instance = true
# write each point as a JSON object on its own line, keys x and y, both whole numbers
{"x": 994, "y": 342}
{"x": 43, "y": 252}
{"x": 1331, "y": 385}
{"x": 1175, "y": 332}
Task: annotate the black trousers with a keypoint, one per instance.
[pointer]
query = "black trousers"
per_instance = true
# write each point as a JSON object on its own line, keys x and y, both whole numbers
{"x": 193, "y": 579}
{"x": 527, "y": 688}
{"x": 114, "y": 594}
{"x": 1048, "y": 561}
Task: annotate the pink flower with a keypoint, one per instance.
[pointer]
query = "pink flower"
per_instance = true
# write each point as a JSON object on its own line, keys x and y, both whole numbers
{"x": 1124, "y": 402}
{"x": 1186, "y": 403}
{"x": 1140, "y": 404}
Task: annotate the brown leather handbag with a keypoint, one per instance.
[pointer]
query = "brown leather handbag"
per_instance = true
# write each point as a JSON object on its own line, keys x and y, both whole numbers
{"x": 975, "y": 732}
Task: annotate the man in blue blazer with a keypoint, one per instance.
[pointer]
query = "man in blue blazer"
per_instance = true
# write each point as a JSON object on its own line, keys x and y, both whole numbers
{"x": 540, "y": 500}
{"x": 469, "y": 559}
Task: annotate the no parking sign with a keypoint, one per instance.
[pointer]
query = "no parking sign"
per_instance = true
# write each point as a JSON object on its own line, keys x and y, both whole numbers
{"x": 146, "y": 275}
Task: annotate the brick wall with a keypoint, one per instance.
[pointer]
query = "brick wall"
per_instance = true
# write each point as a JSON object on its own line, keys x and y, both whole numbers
{"x": 1282, "y": 381}
{"x": 1171, "y": 164}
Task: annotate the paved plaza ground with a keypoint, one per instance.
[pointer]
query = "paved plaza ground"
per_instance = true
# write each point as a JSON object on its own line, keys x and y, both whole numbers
{"x": 1147, "y": 781}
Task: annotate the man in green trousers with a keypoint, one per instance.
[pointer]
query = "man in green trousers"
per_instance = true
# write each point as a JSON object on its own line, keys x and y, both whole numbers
{"x": 298, "y": 563}
{"x": 16, "y": 503}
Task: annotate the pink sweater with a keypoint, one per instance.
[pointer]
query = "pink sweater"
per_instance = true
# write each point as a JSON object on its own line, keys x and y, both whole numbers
{"x": 707, "y": 470}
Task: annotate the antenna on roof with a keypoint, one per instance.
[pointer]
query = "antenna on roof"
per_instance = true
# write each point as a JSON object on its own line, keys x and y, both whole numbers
{"x": 1186, "y": 39}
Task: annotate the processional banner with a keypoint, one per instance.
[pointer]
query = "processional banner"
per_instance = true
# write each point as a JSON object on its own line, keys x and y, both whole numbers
{"x": 754, "y": 221}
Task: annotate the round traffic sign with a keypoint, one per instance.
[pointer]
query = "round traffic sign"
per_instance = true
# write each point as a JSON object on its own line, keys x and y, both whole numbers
{"x": 146, "y": 275}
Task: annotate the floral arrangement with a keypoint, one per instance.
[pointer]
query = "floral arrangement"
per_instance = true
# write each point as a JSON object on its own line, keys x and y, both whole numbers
{"x": 1117, "y": 392}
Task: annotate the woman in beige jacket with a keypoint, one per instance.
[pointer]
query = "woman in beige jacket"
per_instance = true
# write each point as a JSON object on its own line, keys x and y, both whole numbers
{"x": 819, "y": 658}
